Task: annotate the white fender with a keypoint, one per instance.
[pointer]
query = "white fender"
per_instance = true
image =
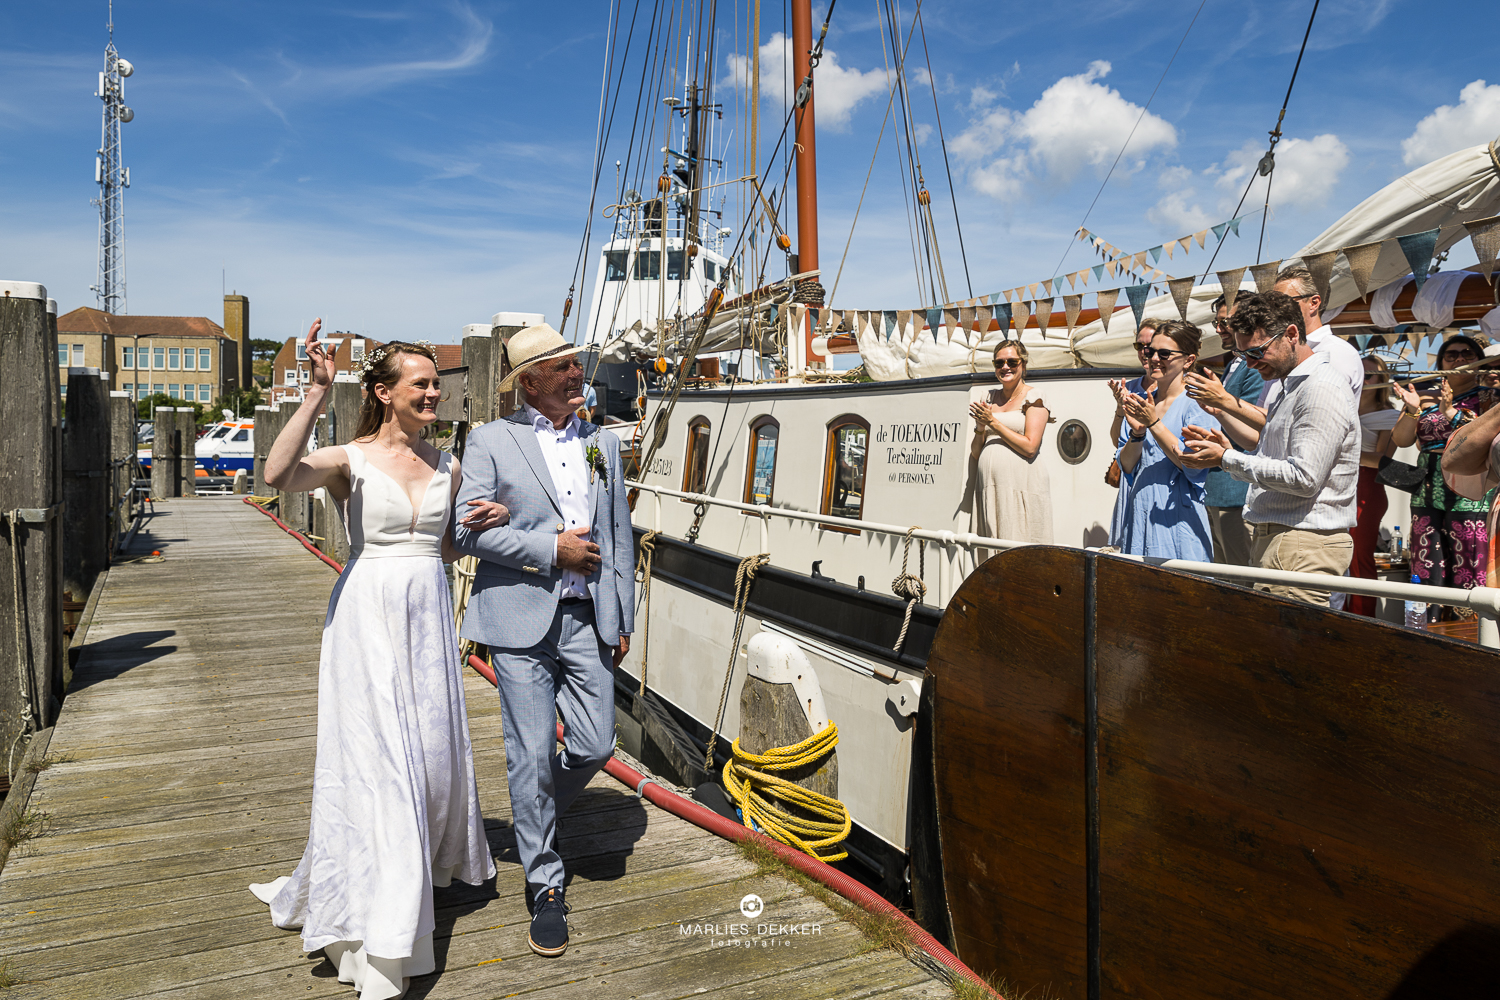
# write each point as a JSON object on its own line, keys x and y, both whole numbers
{"x": 777, "y": 659}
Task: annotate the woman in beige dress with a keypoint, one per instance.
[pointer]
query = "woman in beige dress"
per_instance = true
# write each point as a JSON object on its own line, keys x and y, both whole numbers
{"x": 1013, "y": 496}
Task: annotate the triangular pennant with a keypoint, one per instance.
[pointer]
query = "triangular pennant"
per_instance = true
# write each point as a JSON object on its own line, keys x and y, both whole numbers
{"x": 950, "y": 321}
{"x": 1138, "y": 261}
{"x": 1137, "y": 295}
{"x": 1002, "y": 316}
{"x": 1056, "y": 285}
{"x": 934, "y": 321}
{"x": 1113, "y": 267}
{"x": 1265, "y": 275}
{"x": 1083, "y": 275}
{"x": 1073, "y": 279}
{"x": 1155, "y": 253}
{"x": 1083, "y": 234}
{"x": 891, "y": 320}
{"x": 1362, "y": 258}
{"x": 994, "y": 297}
{"x": 1234, "y": 225}
{"x": 1362, "y": 340}
{"x": 1023, "y": 316}
{"x": 1182, "y": 293}
{"x": 904, "y": 323}
{"x": 1419, "y": 248}
{"x": 965, "y": 321}
{"x": 1072, "y": 306}
{"x": 1044, "y": 314}
{"x": 1321, "y": 266}
{"x": 1201, "y": 235}
{"x": 982, "y": 318}
{"x": 1229, "y": 282}
{"x": 1106, "y": 300}
{"x": 1098, "y": 270}
{"x": 1485, "y": 235}
{"x": 1009, "y": 293}
{"x": 1171, "y": 246}
{"x": 1219, "y": 231}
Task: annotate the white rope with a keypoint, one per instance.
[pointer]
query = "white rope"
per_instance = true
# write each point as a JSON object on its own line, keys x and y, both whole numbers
{"x": 910, "y": 587}
{"x": 23, "y": 664}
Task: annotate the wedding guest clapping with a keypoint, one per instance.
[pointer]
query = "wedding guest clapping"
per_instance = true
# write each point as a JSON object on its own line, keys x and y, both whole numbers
{"x": 1012, "y": 494}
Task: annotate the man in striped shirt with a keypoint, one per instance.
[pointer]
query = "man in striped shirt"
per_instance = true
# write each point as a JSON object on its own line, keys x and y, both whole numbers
{"x": 1304, "y": 471}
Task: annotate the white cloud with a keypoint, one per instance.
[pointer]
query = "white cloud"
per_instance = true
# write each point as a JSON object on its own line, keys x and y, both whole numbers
{"x": 1474, "y": 120}
{"x": 1077, "y": 122}
{"x": 1173, "y": 214}
{"x": 1307, "y": 171}
{"x": 836, "y": 89}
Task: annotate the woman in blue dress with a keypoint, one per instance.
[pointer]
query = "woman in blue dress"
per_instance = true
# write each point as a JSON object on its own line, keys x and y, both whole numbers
{"x": 1138, "y": 386}
{"x": 1164, "y": 511}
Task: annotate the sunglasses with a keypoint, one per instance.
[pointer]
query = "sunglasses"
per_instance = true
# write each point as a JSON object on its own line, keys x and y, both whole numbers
{"x": 1161, "y": 353}
{"x": 1458, "y": 355}
{"x": 1257, "y": 353}
{"x": 1221, "y": 326}
{"x": 1008, "y": 362}
{"x": 1309, "y": 295}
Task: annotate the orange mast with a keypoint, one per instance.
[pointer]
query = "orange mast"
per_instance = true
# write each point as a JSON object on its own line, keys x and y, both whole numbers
{"x": 806, "y": 155}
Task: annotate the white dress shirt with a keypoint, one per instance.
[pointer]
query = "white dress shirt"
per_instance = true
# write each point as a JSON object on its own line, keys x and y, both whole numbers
{"x": 566, "y": 463}
{"x": 1342, "y": 355}
{"x": 1305, "y": 470}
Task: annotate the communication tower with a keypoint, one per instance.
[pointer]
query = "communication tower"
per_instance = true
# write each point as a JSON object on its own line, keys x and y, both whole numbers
{"x": 113, "y": 177}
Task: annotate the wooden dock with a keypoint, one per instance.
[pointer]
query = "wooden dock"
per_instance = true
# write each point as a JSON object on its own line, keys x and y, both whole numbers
{"x": 183, "y": 771}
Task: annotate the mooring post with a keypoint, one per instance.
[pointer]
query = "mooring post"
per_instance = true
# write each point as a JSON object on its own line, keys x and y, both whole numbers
{"x": 344, "y": 404}
{"x": 478, "y": 352}
{"x": 122, "y": 446}
{"x": 31, "y": 657}
{"x": 262, "y": 436}
{"x": 503, "y": 326}
{"x": 241, "y": 482}
{"x": 86, "y": 483}
{"x": 187, "y": 451}
{"x": 164, "y": 476}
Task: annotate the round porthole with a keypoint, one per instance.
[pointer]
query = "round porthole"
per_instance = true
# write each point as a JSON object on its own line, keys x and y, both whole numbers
{"x": 1073, "y": 441}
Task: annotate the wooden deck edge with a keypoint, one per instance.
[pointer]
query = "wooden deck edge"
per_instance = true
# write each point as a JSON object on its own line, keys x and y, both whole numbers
{"x": 15, "y": 803}
{"x": 81, "y": 632}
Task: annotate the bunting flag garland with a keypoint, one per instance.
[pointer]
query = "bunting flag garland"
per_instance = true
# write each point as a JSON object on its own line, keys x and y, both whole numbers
{"x": 1362, "y": 259}
{"x": 1265, "y": 275}
{"x": 1072, "y": 306}
{"x": 1229, "y": 281}
{"x": 1219, "y": 231}
{"x": 1106, "y": 300}
{"x": 1043, "y": 314}
{"x": 891, "y": 322}
{"x": 950, "y": 320}
{"x": 1137, "y": 296}
{"x": 1419, "y": 248}
{"x": 903, "y": 321}
{"x": 1485, "y": 235}
{"x": 934, "y": 321}
{"x": 1321, "y": 266}
{"x": 1098, "y": 270}
{"x": 1022, "y": 315}
{"x": 1234, "y": 226}
{"x": 1182, "y": 294}
{"x": 1002, "y": 314}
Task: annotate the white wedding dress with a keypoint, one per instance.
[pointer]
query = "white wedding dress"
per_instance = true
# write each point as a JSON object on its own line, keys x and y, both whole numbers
{"x": 395, "y": 808}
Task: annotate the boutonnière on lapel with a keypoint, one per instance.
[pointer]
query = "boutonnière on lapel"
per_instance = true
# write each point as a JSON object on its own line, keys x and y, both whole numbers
{"x": 595, "y": 459}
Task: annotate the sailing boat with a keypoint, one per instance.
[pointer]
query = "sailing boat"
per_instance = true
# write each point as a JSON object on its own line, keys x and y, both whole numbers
{"x": 1085, "y": 773}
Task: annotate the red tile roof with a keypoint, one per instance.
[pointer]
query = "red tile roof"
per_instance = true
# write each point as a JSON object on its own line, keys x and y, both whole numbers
{"x": 449, "y": 355}
{"x": 87, "y": 320}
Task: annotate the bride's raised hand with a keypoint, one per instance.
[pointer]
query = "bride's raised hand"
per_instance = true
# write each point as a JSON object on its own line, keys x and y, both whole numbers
{"x": 318, "y": 358}
{"x": 486, "y": 514}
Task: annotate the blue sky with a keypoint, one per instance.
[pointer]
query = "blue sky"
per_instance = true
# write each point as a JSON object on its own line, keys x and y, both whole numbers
{"x": 403, "y": 169}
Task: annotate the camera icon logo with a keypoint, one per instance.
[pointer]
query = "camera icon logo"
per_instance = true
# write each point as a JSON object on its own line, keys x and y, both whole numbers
{"x": 751, "y": 906}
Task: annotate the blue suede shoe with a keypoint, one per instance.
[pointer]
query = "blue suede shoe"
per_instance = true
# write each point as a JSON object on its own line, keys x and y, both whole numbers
{"x": 549, "y": 924}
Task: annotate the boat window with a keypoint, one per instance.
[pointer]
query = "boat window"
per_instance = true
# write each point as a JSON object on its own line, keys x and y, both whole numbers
{"x": 695, "y": 462}
{"x": 844, "y": 474}
{"x": 220, "y": 433}
{"x": 243, "y": 435}
{"x": 648, "y": 265}
{"x": 614, "y": 264}
{"x": 1073, "y": 441}
{"x": 675, "y": 271}
{"x": 760, "y": 476}
{"x": 709, "y": 271}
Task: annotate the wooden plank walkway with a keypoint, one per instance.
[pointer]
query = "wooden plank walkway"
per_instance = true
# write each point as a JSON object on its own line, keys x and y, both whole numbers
{"x": 186, "y": 749}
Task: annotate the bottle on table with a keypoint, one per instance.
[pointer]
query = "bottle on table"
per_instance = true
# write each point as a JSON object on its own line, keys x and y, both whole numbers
{"x": 1416, "y": 611}
{"x": 1396, "y": 542}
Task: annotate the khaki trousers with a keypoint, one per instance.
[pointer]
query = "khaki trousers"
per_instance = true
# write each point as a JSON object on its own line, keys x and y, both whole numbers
{"x": 1231, "y": 535}
{"x": 1297, "y": 550}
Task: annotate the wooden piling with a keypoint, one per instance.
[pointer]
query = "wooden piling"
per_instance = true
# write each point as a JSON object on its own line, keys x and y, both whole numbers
{"x": 187, "y": 451}
{"x": 344, "y": 402}
{"x": 503, "y": 326}
{"x": 164, "y": 480}
{"x": 478, "y": 355}
{"x": 31, "y": 656}
{"x": 122, "y": 449}
{"x": 262, "y": 437}
{"x": 86, "y": 482}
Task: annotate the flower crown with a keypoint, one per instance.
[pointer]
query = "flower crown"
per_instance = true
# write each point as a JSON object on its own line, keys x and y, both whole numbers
{"x": 372, "y": 358}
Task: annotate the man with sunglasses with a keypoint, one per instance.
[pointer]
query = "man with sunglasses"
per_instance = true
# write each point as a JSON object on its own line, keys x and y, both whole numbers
{"x": 1304, "y": 470}
{"x": 1297, "y": 283}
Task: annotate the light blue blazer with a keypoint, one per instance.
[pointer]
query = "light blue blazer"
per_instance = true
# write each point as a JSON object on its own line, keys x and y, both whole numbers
{"x": 516, "y": 590}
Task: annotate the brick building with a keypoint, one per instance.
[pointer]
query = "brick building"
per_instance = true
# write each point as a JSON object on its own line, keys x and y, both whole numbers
{"x": 290, "y": 373}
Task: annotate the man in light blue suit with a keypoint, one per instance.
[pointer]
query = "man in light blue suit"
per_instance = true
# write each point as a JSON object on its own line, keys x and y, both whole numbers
{"x": 554, "y": 599}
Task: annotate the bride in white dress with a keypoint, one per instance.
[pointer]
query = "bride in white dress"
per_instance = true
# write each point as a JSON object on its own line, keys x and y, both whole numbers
{"x": 395, "y": 808}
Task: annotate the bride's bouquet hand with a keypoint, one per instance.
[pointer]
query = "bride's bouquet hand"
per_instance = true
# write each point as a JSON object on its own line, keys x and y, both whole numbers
{"x": 486, "y": 514}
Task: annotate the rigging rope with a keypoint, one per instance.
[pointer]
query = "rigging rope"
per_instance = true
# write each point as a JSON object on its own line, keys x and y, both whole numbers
{"x": 943, "y": 142}
{"x": 744, "y": 577}
{"x": 643, "y": 575}
{"x": 910, "y": 587}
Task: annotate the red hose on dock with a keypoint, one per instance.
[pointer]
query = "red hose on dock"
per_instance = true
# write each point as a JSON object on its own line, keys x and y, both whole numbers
{"x": 700, "y": 816}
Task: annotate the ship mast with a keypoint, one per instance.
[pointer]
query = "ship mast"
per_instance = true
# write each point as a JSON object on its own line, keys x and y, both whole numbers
{"x": 809, "y": 291}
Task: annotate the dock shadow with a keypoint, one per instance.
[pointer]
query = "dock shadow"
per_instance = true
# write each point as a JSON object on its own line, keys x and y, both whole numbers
{"x": 599, "y": 834}
{"x": 109, "y": 658}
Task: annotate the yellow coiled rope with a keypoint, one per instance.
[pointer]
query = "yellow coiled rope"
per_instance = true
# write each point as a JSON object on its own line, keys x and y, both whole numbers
{"x": 747, "y": 778}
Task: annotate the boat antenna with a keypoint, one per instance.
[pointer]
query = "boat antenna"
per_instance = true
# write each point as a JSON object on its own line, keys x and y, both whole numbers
{"x": 1126, "y": 144}
{"x": 1267, "y": 164}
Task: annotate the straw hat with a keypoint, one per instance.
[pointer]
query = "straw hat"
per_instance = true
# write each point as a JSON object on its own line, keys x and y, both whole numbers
{"x": 531, "y": 347}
